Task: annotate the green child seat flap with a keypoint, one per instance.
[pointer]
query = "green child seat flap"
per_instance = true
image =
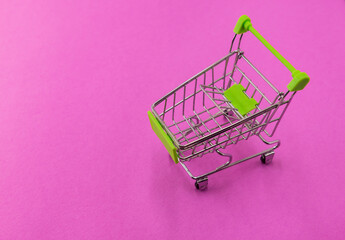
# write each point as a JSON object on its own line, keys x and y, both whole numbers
{"x": 235, "y": 94}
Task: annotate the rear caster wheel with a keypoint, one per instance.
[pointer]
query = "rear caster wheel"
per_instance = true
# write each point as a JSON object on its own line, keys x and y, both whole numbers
{"x": 201, "y": 184}
{"x": 267, "y": 158}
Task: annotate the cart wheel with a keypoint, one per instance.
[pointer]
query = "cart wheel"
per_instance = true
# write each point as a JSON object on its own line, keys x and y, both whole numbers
{"x": 201, "y": 184}
{"x": 267, "y": 158}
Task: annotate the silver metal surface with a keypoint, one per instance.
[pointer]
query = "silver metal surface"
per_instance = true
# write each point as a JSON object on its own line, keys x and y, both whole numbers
{"x": 200, "y": 120}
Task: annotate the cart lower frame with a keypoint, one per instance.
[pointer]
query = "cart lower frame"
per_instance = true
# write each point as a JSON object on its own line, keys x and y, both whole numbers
{"x": 201, "y": 181}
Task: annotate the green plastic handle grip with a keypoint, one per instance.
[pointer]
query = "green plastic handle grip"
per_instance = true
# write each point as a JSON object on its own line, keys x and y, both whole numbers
{"x": 299, "y": 79}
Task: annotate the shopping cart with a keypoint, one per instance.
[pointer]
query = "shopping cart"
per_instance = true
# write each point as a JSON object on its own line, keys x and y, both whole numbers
{"x": 221, "y": 106}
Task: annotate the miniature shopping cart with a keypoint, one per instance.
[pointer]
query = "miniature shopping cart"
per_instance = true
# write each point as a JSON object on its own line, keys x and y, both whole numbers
{"x": 223, "y": 105}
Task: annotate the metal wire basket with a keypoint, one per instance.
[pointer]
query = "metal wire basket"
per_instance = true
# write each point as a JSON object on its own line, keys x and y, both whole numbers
{"x": 221, "y": 106}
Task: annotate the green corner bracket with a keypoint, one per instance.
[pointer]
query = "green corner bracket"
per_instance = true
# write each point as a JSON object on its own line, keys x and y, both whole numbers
{"x": 299, "y": 81}
{"x": 161, "y": 134}
{"x": 242, "y": 25}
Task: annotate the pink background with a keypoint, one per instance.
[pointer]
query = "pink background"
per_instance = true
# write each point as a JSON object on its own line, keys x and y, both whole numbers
{"x": 78, "y": 158}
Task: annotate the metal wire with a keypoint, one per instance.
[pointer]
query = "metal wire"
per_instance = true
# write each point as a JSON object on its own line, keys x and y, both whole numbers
{"x": 199, "y": 119}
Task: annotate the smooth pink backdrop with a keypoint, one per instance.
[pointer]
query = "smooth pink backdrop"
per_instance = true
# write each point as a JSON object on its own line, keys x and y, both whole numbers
{"x": 78, "y": 159}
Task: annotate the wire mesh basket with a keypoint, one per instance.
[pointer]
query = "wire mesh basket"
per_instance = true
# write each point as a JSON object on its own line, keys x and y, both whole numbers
{"x": 228, "y": 102}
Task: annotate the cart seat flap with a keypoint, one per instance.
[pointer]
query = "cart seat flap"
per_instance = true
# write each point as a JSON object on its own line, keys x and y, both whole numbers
{"x": 235, "y": 94}
{"x": 165, "y": 139}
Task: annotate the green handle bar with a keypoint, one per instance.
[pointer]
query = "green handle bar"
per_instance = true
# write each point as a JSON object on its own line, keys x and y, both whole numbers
{"x": 299, "y": 79}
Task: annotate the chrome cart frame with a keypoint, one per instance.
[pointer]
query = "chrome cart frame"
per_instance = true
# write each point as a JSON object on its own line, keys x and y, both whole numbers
{"x": 196, "y": 118}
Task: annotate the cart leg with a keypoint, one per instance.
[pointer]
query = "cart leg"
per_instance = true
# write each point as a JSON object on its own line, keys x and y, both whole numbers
{"x": 201, "y": 183}
{"x": 267, "y": 158}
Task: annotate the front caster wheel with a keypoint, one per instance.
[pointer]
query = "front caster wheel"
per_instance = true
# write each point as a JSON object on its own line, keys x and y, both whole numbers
{"x": 201, "y": 184}
{"x": 267, "y": 158}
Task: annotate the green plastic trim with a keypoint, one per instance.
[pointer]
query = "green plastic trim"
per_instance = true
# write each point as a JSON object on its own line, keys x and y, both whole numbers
{"x": 300, "y": 79}
{"x": 235, "y": 94}
{"x": 272, "y": 49}
{"x": 242, "y": 24}
{"x": 165, "y": 139}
